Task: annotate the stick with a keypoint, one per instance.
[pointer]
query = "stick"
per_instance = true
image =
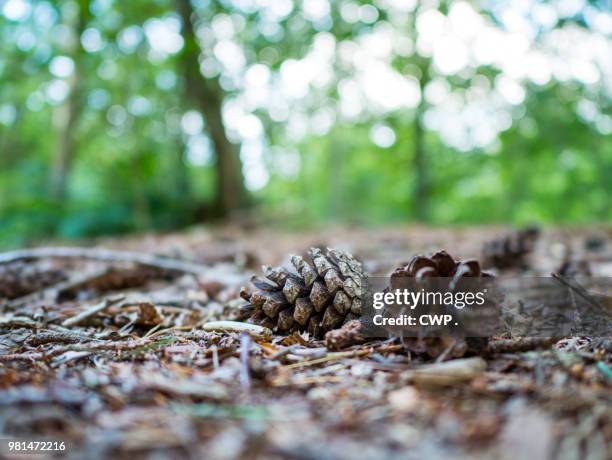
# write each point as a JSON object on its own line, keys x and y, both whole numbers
{"x": 105, "y": 255}
{"x": 174, "y": 328}
{"x": 582, "y": 292}
{"x": 314, "y": 380}
{"x": 446, "y": 352}
{"x": 73, "y": 321}
{"x": 245, "y": 375}
{"x": 52, "y": 292}
{"x": 60, "y": 349}
{"x": 329, "y": 357}
{"x": 520, "y": 345}
{"x": 57, "y": 337}
{"x": 447, "y": 373}
{"x": 132, "y": 346}
{"x": 258, "y": 332}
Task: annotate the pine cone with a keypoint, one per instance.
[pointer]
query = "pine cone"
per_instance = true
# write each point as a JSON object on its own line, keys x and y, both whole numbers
{"x": 321, "y": 294}
{"x": 511, "y": 250}
{"x": 440, "y": 265}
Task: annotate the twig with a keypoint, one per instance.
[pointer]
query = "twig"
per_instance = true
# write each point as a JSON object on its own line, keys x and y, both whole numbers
{"x": 75, "y": 355}
{"x": 105, "y": 255}
{"x": 520, "y": 344}
{"x": 258, "y": 332}
{"x": 152, "y": 330}
{"x": 19, "y": 321}
{"x": 92, "y": 311}
{"x": 315, "y": 380}
{"x": 582, "y": 292}
{"x": 446, "y": 352}
{"x": 284, "y": 352}
{"x": 187, "y": 327}
{"x": 447, "y": 373}
{"x": 245, "y": 375}
{"x": 215, "y": 356}
{"x": 133, "y": 346}
{"x": 57, "y": 337}
{"x": 53, "y": 291}
{"x": 329, "y": 357}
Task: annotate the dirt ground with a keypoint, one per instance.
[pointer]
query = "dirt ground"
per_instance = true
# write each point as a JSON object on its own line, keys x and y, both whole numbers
{"x": 110, "y": 354}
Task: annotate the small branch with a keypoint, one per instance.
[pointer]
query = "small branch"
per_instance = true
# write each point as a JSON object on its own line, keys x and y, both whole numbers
{"x": 245, "y": 374}
{"x": 165, "y": 263}
{"x": 258, "y": 332}
{"x": 447, "y": 373}
{"x": 330, "y": 357}
{"x": 132, "y": 346}
{"x": 520, "y": 344}
{"x": 52, "y": 292}
{"x": 57, "y": 337}
{"x": 582, "y": 292}
{"x": 19, "y": 321}
{"x": 73, "y": 321}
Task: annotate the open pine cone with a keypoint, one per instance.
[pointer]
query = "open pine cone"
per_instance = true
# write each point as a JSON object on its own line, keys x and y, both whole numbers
{"x": 320, "y": 294}
{"x": 439, "y": 265}
{"x": 510, "y": 251}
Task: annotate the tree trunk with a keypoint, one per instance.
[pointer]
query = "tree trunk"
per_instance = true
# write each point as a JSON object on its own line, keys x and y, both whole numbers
{"x": 335, "y": 176}
{"x": 181, "y": 173}
{"x": 230, "y": 194}
{"x": 70, "y": 112}
{"x": 66, "y": 145}
{"x": 421, "y": 183}
{"x": 141, "y": 207}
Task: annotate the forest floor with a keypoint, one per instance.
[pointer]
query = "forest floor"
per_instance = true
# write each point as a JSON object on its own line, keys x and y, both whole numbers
{"x": 108, "y": 353}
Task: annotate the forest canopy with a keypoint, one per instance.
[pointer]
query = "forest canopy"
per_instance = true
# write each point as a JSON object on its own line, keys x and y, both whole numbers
{"x": 157, "y": 114}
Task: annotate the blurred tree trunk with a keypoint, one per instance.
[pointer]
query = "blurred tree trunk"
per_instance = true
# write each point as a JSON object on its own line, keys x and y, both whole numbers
{"x": 336, "y": 174}
{"x": 230, "y": 194}
{"x": 69, "y": 113}
{"x": 183, "y": 186}
{"x": 141, "y": 207}
{"x": 421, "y": 184}
{"x": 10, "y": 145}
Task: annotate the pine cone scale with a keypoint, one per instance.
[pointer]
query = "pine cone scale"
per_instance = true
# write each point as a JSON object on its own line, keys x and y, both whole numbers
{"x": 342, "y": 303}
{"x": 305, "y": 270}
{"x": 333, "y": 281}
{"x": 319, "y": 296}
{"x": 332, "y": 319}
{"x": 274, "y": 303}
{"x": 303, "y": 310}
{"x": 293, "y": 289}
{"x": 285, "y": 320}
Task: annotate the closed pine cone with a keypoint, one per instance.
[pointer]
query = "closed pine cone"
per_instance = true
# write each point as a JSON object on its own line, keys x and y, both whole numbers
{"x": 320, "y": 294}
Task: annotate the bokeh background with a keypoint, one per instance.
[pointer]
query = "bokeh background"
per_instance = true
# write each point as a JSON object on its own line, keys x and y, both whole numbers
{"x": 119, "y": 116}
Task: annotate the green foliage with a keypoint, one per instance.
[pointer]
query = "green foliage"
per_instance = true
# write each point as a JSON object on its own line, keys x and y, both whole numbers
{"x": 134, "y": 165}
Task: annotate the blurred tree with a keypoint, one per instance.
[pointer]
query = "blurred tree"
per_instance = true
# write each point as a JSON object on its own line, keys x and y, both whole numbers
{"x": 230, "y": 193}
{"x": 75, "y": 16}
{"x": 421, "y": 197}
{"x": 350, "y": 110}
